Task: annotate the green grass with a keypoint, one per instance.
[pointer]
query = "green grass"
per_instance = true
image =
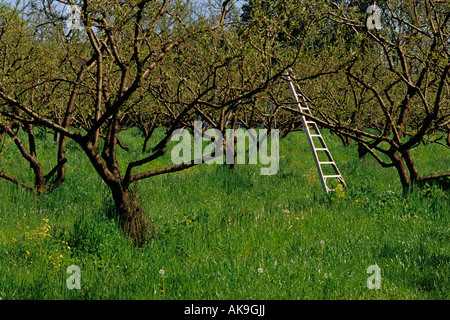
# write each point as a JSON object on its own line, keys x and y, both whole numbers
{"x": 309, "y": 245}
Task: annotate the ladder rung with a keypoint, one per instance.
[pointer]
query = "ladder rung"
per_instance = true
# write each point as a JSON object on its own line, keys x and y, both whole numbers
{"x": 316, "y": 135}
{"x": 327, "y": 162}
{"x": 310, "y": 122}
{"x": 333, "y": 176}
{"x": 322, "y": 149}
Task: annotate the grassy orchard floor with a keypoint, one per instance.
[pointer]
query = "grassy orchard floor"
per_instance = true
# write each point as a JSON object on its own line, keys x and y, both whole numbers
{"x": 308, "y": 244}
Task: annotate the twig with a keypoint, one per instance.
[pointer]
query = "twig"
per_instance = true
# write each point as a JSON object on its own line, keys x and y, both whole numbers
{"x": 225, "y": 224}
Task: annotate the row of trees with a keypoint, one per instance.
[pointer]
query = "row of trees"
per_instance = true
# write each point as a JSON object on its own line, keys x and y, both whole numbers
{"x": 394, "y": 81}
{"x": 151, "y": 64}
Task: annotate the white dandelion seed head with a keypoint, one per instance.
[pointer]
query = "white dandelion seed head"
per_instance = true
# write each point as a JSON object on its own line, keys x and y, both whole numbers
{"x": 322, "y": 242}
{"x": 260, "y": 270}
{"x": 161, "y": 271}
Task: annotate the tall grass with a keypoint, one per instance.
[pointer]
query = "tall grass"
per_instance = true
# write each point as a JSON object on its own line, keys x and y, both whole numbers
{"x": 215, "y": 228}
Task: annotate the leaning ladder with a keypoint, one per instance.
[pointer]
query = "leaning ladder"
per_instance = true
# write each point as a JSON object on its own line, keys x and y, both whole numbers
{"x": 325, "y": 164}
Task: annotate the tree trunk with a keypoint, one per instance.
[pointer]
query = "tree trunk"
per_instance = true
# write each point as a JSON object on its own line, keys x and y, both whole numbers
{"x": 413, "y": 172}
{"x": 362, "y": 152}
{"x": 61, "y": 176}
{"x": 233, "y": 126}
{"x": 345, "y": 140}
{"x": 35, "y": 165}
{"x": 448, "y": 136}
{"x": 131, "y": 216}
{"x": 148, "y": 133}
{"x": 402, "y": 171}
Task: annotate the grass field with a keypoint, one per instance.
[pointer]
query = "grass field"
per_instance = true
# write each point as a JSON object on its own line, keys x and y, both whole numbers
{"x": 289, "y": 241}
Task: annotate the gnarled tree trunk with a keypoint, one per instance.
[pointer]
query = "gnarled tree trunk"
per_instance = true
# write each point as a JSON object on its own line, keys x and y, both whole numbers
{"x": 132, "y": 217}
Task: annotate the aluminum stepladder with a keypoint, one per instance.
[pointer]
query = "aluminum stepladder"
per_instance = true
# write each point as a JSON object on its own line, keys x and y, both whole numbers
{"x": 325, "y": 164}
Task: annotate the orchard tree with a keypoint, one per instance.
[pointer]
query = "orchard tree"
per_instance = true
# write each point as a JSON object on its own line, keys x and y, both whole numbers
{"x": 26, "y": 63}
